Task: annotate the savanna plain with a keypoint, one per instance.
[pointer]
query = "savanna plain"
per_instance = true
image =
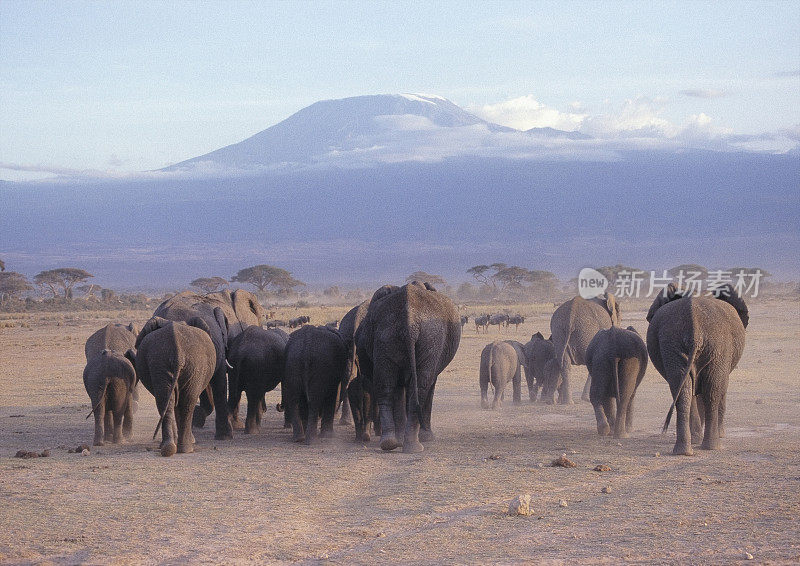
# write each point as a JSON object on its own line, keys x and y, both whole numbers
{"x": 262, "y": 499}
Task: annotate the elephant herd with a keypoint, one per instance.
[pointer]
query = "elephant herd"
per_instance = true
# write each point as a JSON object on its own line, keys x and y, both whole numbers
{"x": 693, "y": 341}
{"x": 199, "y": 353}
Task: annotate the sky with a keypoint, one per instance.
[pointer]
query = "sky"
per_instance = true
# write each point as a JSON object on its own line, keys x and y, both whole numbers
{"x": 119, "y": 87}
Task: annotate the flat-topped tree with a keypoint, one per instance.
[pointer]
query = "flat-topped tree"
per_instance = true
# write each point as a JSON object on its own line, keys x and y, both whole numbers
{"x": 267, "y": 278}
{"x": 210, "y": 284}
{"x": 64, "y": 278}
{"x": 11, "y": 284}
{"x": 424, "y": 277}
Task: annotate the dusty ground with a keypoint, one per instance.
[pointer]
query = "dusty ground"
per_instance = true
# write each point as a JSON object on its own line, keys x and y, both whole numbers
{"x": 263, "y": 499}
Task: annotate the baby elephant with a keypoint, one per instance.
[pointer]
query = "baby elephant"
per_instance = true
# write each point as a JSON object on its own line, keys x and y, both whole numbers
{"x": 110, "y": 379}
{"x": 316, "y": 368}
{"x": 537, "y": 353}
{"x": 175, "y": 362}
{"x": 617, "y": 360}
{"x": 256, "y": 358}
{"x": 501, "y": 362}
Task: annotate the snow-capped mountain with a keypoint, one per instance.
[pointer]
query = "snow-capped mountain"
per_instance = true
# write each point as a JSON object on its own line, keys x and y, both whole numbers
{"x": 380, "y": 128}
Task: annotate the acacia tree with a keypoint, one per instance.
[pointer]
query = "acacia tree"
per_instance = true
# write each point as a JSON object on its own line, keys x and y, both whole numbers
{"x": 209, "y": 284}
{"x": 64, "y": 278}
{"x": 11, "y": 284}
{"x": 424, "y": 277}
{"x": 267, "y": 278}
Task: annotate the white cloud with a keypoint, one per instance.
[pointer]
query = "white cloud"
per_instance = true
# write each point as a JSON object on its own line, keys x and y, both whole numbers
{"x": 703, "y": 93}
{"x": 640, "y": 117}
{"x": 526, "y": 112}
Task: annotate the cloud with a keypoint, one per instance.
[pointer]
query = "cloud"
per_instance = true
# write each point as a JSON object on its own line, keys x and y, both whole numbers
{"x": 640, "y": 117}
{"x": 526, "y": 112}
{"x": 703, "y": 93}
{"x": 787, "y": 74}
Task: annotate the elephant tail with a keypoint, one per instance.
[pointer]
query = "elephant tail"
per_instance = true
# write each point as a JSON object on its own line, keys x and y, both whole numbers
{"x": 489, "y": 367}
{"x": 102, "y": 395}
{"x": 412, "y": 357}
{"x": 615, "y": 363}
{"x": 172, "y": 391}
{"x": 686, "y": 375}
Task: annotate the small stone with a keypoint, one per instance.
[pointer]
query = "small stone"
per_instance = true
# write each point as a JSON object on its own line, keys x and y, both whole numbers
{"x": 759, "y": 401}
{"x": 85, "y": 452}
{"x": 602, "y": 468}
{"x": 563, "y": 462}
{"x": 44, "y": 454}
{"x": 520, "y": 505}
{"x": 657, "y": 455}
{"x": 606, "y": 489}
{"x": 25, "y": 454}
{"x": 619, "y": 443}
{"x": 748, "y": 556}
{"x": 562, "y": 503}
{"x": 540, "y": 465}
{"x": 381, "y": 535}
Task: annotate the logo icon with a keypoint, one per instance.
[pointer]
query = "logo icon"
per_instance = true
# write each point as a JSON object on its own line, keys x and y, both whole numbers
{"x": 591, "y": 283}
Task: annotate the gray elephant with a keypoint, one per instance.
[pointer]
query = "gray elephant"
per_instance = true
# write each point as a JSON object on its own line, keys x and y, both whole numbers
{"x": 617, "y": 360}
{"x": 175, "y": 362}
{"x": 257, "y": 359}
{"x": 573, "y": 325}
{"x": 501, "y": 362}
{"x": 316, "y": 367}
{"x": 109, "y": 378}
{"x": 410, "y": 334}
{"x": 358, "y": 398}
{"x": 117, "y": 337}
{"x": 240, "y": 309}
{"x": 695, "y": 343}
{"x": 538, "y": 352}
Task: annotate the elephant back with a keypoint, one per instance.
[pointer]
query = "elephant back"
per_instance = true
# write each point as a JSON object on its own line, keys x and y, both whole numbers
{"x": 117, "y": 337}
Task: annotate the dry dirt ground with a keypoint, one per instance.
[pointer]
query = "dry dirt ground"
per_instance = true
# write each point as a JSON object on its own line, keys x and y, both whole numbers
{"x": 263, "y": 499}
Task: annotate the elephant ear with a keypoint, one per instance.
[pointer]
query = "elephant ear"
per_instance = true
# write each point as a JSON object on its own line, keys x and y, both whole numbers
{"x": 130, "y": 355}
{"x": 245, "y": 303}
{"x": 429, "y": 287}
{"x": 383, "y": 292}
{"x": 632, "y": 329}
{"x": 153, "y": 324}
{"x": 198, "y": 322}
{"x": 538, "y": 335}
{"x": 222, "y": 321}
{"x": 670, "y": 293}
{"x": 728, "y": 294}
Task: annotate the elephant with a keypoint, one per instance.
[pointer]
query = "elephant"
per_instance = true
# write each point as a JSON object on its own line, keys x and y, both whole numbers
{"x": 175, "y": 362}
{"x": 409, "y": 335}
{"x": 347, "y": 329}
{"x": 501, "y": 362}
{"x": 316, "y": 368}
{"x": 117, "y": 337}
{"x": 257, "y": 359}
{"x": 110, "y": 378}
{"x": 573, "y": 325}
{"x": 240, "y": 309}
{"x": 617, "y": 360}
{"x": 538, "y": 352}
{"x": 695, "y": 342}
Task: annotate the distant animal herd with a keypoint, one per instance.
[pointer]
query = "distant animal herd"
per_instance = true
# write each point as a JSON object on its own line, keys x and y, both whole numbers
{"x": 199, "y": 353}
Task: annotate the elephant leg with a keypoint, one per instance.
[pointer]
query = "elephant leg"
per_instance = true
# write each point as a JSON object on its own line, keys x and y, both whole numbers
{"x": 205, "y": 408}
{"x": 586, "y": 387}
{"x": 697, "y": 416}
{"x": 346, "y": 418}
{"x": 388, "y": 391}
{"x": 683, "y": 407}
{"x": 219, "y": 388}
{"x": 356, "y": 399}
{"x": 497, "y": 402}
{"x": 411, "y": 443}
{"x": 485, "y": 396}
{"x": 117, "y": 431}
{"x": 603, "y": 429}
{"x": 609, "y": 406}
{"x": 183, "y": 418}
{"x": 127, "y": 419}
{"x": 99, "y": 422}
{"x": 629, "y": 416}
{"x": 516, "y": 383}
{"x": 426, "y": 431}
{"x": 713, "y": 396}
{"x": 234, "y": 399}
{"x": 621, "y": 419}
{"x": 565, "y": 391}
{"x": 108, "y": 422}
{"x": 169, "y": 430}
{"x": 253, "y": 418}
{"x": 293, "y": 410}
{"x": 721, "y": 415}
{"x": 313, "y": 417}
{"x": 328, "y": 412}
